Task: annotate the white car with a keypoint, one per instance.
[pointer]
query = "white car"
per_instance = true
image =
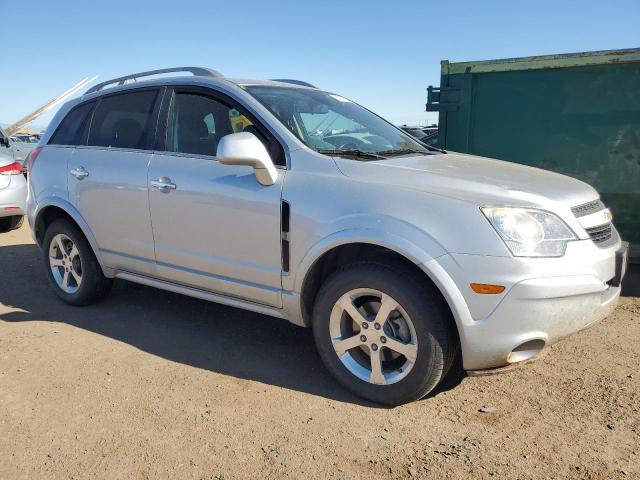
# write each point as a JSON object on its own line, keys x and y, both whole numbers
{"x": 13, "y": 188}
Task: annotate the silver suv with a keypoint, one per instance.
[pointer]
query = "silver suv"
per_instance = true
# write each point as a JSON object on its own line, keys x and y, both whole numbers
{"x": 283, "y": 199}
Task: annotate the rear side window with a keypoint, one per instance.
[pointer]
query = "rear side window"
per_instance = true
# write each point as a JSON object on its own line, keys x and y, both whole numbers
{"x": 72, "y": 128}
{"x": 124, "y": 121}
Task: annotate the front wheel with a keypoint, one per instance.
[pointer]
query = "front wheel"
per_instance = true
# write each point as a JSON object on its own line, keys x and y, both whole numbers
{"x": 73, "y": 270}
{"x": 382, "y": 333}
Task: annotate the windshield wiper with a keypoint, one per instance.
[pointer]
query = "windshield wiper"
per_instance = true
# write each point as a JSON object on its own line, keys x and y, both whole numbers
{"x": 352, "y": 152}
{"x": 404, "y": 151}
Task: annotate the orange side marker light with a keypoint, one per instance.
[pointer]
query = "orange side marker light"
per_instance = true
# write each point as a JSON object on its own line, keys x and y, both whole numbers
{"x": 486, "y": 289}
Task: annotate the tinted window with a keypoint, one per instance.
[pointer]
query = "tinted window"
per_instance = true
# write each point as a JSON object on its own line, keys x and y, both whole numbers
{"x": 198, "y": 122}
{"x": 124, "y": 121}
{"x": 71, "y": 129}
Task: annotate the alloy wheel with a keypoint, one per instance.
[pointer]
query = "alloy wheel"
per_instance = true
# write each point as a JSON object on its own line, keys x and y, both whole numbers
{"x": 65, "y": 263}
{"x": 373, "y": 336}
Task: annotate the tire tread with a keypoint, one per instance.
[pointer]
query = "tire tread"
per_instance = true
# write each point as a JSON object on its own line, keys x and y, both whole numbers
{"x": 444, "y": 350}
{"x": 95, "y": 285}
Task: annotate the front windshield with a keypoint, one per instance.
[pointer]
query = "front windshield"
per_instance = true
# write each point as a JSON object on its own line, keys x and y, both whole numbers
{"x": 332, "y": 124}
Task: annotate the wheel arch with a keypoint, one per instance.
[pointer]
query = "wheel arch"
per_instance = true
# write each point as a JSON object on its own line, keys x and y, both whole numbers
{"x": 56, "y": 209}
{"x": 349, "y": 247}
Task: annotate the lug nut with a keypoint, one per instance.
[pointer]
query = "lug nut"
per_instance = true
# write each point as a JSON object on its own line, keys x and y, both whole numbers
{"x": 376, "y": 326}
{"x": 363, "y": 338}
{"x": 383, "y": 339}
{"x": 365, "y": 325}
{"x": 374, "y": 347}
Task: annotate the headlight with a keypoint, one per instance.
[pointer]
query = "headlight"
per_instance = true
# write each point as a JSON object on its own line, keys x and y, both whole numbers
{"x": 529, "y": 232}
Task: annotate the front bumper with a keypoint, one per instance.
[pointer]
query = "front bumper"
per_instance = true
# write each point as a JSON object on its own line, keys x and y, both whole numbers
{"x": 545, "y": 300}
{"x": 13, "y": 197}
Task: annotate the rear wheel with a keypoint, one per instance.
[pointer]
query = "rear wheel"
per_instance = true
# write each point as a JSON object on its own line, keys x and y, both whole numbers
{"x": 382, "y": 333}
{"x": 72, "y": 268}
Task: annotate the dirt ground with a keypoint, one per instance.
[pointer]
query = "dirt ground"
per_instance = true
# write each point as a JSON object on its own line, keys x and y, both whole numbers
{"x": 149, "y": 384}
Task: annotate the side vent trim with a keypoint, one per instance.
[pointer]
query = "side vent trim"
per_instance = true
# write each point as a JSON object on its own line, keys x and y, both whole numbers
{"x": 284, "y": 233}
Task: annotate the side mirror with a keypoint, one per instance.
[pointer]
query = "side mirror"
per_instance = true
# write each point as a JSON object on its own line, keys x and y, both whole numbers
{"x": 244, "y": 148}
{"x": 4, "y": 141}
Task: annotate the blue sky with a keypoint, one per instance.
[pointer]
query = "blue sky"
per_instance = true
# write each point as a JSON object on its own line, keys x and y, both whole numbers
{"x": 380, "y": 54}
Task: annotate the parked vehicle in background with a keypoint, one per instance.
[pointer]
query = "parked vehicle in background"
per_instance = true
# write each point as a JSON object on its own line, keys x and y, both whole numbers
{"x": 27, "y": 138}
{"x": 283, "y": 199}
{"x": 420, "y": 132}
{"x": 575, "y": 114}
{"x": 13, "y": 188}
{"x": 21, "y": 148}
{"x": 16, "y": 147}
{"x": 427, "y": 135}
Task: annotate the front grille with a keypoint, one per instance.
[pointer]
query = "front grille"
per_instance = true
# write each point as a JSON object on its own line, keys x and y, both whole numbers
{"x": 588, "y": 208}
{"x": 601, "y": 233}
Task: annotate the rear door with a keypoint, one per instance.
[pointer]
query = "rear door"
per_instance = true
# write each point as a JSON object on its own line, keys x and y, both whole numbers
{"x": 108, "y": 178}
{"x": 217, "y": 228}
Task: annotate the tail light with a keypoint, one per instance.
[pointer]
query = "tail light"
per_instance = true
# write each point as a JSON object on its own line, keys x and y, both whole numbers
{"x": 31, "y": 158}
{"x": 13, "y": 169}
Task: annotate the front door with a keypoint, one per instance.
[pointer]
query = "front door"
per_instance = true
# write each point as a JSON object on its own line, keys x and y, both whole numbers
{"x": 108, "y": 179}
{"x": 215, "y": 227}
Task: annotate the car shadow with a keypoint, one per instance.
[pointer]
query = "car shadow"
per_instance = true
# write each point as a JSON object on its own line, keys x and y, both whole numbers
{"x": 194, "y": 332}
{"x": 631, "y": 282}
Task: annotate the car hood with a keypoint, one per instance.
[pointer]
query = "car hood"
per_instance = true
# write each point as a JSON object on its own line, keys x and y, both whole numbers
{"x": 482, "y": 181}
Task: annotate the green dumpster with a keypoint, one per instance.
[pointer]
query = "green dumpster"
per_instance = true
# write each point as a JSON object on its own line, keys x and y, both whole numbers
{"x": 576, "y": 114}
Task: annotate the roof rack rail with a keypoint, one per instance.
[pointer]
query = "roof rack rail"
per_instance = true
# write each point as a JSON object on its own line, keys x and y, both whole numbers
{"x": 294, "y": 82}
{"x": 196, "y": 71}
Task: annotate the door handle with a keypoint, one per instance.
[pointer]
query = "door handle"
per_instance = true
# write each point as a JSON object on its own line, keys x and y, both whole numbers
{"x": 163, "y": 183}
{"x": 80, "y": 173}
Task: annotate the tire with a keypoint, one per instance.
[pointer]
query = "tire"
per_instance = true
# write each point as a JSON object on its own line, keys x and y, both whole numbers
{"x": 11, "y": 223}
{"x": 78, "y": 261}
{"x": 428, "y": 337}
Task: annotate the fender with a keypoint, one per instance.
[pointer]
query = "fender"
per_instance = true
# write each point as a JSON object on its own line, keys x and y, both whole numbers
{"x": 452, "y": 295}
{"x": 69, "y": 209}
{"x": 421, "y": 249}
{"x": 411, "y": 243}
